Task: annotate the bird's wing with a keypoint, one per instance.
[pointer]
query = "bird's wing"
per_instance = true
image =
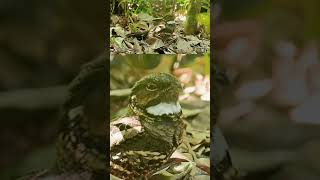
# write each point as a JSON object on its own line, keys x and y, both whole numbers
{"x": 124, "y": 128}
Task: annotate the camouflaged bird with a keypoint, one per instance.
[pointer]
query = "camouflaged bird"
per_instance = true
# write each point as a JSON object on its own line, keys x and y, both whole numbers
{"x": 81, "y": 144}
{"x": 145, "y": 138}
{"x": 221, "y": 160}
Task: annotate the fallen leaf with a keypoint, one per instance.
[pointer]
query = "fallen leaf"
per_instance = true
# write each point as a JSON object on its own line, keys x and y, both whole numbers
{"x": 157, "y": 44}
{"x": 183, "y": 46}
{"x": 254, "y": 89}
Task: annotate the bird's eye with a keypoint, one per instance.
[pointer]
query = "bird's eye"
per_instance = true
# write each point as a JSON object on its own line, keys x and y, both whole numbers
{"x": 151, "y": 87}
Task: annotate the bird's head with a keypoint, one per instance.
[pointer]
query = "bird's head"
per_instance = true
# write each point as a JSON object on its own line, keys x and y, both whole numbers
{"x": 157, "y": 94}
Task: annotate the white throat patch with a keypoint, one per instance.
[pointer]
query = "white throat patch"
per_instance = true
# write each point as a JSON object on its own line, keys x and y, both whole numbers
{"x": 164, "y": 108}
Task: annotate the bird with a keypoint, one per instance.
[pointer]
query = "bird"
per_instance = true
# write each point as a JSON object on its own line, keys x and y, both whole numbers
{"x": 167, "y": 27}
{"x": 81, "y": 141}
{"x": 164, "y": 31}
{"x": 223, "y": 168}
{"x": 144, "y": 138}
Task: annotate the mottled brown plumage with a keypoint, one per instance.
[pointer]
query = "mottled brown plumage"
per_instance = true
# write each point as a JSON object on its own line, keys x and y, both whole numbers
{"x": 151, "y": 132}
{"x": 81, "y": 144}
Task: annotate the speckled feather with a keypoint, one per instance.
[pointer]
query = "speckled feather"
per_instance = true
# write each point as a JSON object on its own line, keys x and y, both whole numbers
{"x": 79, "y": 147}
{"x": 138, "y": 156}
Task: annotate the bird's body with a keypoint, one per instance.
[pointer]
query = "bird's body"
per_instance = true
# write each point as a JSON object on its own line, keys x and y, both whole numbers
{"x": 81, "y": 144}
{"x": 151, "y": 131}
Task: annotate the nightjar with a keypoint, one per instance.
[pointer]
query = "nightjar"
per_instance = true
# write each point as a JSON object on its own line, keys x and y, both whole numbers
{"x": 145, "y": 138}
{"x": 81, "y": 144}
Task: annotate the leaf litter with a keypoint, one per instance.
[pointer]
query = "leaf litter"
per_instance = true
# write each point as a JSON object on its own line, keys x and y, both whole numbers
{"x": 144, "y": 34}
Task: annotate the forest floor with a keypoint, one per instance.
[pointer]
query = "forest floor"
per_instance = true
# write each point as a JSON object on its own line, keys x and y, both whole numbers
{"x": 144, "y": 34}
